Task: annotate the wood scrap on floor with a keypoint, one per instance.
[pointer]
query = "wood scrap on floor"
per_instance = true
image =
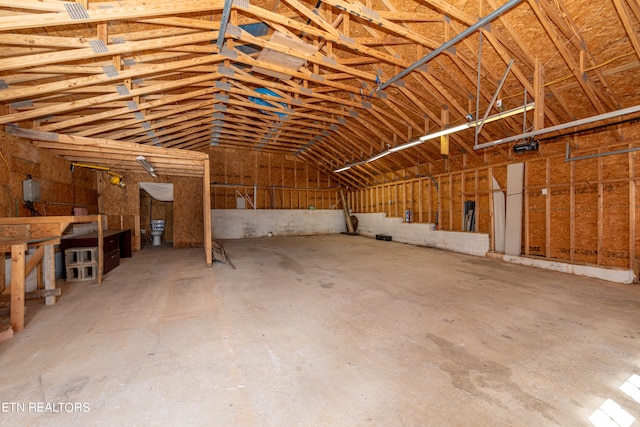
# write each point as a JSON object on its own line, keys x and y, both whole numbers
{"x": 218, "y": 252}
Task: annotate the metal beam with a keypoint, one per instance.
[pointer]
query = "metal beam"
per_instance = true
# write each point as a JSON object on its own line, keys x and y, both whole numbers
{"x": 493, "y": 100}
{"x": 224, "y": 20}
{"x": 579, "y": 122}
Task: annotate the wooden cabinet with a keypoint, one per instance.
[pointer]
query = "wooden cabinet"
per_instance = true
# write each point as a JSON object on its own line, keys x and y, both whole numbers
{"x": 116, "y": 245}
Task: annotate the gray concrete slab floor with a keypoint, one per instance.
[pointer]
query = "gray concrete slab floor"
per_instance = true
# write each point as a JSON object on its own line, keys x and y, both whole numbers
{"x": 323, "y": 331}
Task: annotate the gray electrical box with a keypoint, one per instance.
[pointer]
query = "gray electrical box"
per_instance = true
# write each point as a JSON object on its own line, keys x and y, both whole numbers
{"x": 30, "y": 190}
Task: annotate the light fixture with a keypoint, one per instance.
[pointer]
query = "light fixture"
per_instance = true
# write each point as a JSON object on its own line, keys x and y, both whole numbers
{"x": 342, "y": 169}
{"x": 147, "y": 166}
{"x": 114, "y": 178}
{"x": 443, "y": 132}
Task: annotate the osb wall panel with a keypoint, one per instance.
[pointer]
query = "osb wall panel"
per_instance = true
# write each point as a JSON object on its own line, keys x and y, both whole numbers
{"x": 217, "y": 168}
{"x": 456, "y": 203}
{"x": 187, "y": 207}
{"x": 287, "y": 202}
{"x": 500, "y": 175}
{"x": 560, "y": 219}
{"x": 586, "y": 171}
{"x": 270, "y": 180}
{"x": 233, "y": 166}
{"x": 395, "y": 208}
{"x": 444, "y": 220}
{"x": 276, "y": 163}
{"x": 536, "y": 227}
{"x": 615, "y": 167}
{"x": 483, "y": 213}
{"x": 560, "y": 171}
{"x": 586, "y": 222}
{"x": 536, "y": 173}
{"x": 433, "y": 190}
{"x": 417, "y": 201}
{"x": 123, "y": 201}
{"x": 188, "y": 212}
{"x": 289, "y": 171}
{"x": 60, "y": 189}
{"x": 615, "y": 226}
{"x": 563, "y": 217}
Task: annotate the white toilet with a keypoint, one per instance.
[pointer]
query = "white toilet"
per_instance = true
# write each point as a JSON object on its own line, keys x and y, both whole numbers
{"x": 157, "y": 229}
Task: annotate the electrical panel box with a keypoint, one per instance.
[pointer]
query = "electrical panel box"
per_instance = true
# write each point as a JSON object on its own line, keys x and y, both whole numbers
{"x": 30, "y": 190}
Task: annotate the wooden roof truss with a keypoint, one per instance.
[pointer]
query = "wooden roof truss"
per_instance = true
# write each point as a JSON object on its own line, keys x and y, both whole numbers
{"x": 153, "y": 73}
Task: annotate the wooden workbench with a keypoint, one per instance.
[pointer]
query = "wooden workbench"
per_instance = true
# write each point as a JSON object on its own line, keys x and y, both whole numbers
{"x": 44, "y": 232}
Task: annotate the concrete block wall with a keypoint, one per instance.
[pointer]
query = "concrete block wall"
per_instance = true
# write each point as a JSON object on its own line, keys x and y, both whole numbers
{"x": 245, "y": 223}
{"x": 370, "y": 224}
{"x": 610, "y": 274}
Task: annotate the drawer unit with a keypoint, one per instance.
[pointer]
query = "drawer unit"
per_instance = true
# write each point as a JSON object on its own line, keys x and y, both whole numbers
{"x": 111, "y": 243}
{"x": 111, "y": 260}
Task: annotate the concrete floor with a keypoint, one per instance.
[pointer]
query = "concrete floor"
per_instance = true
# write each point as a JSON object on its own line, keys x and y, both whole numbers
{"x": 324, "y": 330}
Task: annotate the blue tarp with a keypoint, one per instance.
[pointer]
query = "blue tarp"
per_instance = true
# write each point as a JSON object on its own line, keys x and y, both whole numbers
{"x": 260, "y": 101}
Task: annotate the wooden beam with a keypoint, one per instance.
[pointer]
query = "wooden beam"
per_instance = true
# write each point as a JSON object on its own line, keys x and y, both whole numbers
{"x": 633, "y": 262}
{"x": 101, "y": 223}
{"x": 444, "y": 140}
{"x": 538, "y": 87}
{"x": 206, "y": 193}
{"x": 49, "y": 272}
{"x": 566, "y": 56}
{"x": 625, "y": 18}
{"x": 600, "y": 226}
{"x": 18, "y": 253}
{"x": 89, "y": 118}
{"x": 113, "y": 49}
{"x": 139, "y": 71}
{"x": 61, "y": 17}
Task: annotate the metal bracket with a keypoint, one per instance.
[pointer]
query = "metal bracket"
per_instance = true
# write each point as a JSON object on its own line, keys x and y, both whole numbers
{"x": 110, "y": 71}
{"x": 122, "y": 90}
{"x": 21, "y": 104}
{"x": 98, "y": 46}
{"x": 76, "y": 11}
{"x": 226, "y": 71}
{"x": 229, "y": 53}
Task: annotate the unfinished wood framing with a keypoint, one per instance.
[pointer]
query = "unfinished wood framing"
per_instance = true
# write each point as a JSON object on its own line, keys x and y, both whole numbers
{"x": 17, "y": 234}
{"x": 577, "y": 211}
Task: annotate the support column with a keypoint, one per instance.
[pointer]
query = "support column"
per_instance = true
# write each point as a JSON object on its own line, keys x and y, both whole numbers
{"x": 444, "y": 139}
{"x": 206, "y": 207}
{"x": 100, "y": 248}
{"x": 49, "y": 272}
{"x": 538, "y": 87}
{"x": 18, "y": 266}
